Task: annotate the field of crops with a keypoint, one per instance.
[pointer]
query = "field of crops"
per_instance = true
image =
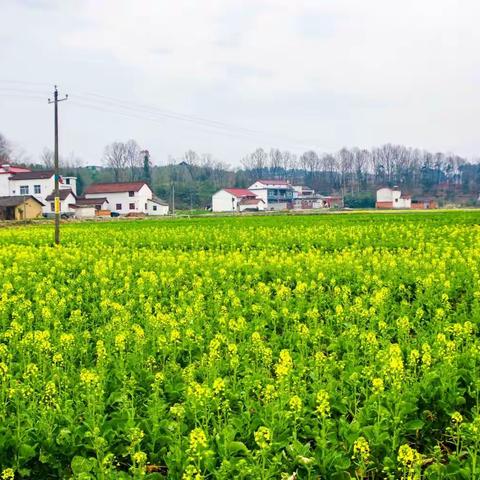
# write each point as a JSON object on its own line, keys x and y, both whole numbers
{"x": 332, "y": 347}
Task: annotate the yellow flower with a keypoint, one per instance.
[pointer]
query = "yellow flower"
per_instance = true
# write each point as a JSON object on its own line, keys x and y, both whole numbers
{"x": 323, "y": 403}
{"x": 263, "y": 437}
{"x": 89, "y": 378}
{"x": 284, "y": 365}
{"x": 295, "y": 403}
{"x": 361, "y": 449}
{"x": 8, "y": 474}
{"x": 377, "y": 385}
{"x": 218, "y": 385}
{"x": 140, "y": 458}
{"x": 198, "y": 440}
{"x": 411, "y": 462}
{"x": 457, "y": 418}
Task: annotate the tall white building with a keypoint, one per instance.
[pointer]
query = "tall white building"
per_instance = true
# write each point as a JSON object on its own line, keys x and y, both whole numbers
{"x": 392, "y": 198}
{"x": 277, "y": 194}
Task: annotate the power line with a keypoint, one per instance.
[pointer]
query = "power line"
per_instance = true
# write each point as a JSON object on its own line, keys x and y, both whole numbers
{"x": 130, "y": 109}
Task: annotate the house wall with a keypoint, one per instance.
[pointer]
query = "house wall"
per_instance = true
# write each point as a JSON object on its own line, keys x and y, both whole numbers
{"x": 384, "y": 195}
{"x": 384, "y": 205}
{"x": 4, "y": 185}
{"x": 260, "y": 191}
{"x": 260, "y": 206}
{"x": 64, "y": 206}
{"x": 222, "y": 201}
{"x": 32, "y": 210}
{"x": 139, "y": 200}
{"x": 161, "y": 209}
{"x": 85, "y": 212}
{"x": 47, "y": 186}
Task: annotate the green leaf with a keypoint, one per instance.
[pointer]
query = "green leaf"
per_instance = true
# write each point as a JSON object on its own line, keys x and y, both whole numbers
{"x": 416, "y": 424}
{"x": 81, "y": 465}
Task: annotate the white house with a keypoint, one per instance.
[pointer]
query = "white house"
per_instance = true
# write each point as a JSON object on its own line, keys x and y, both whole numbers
{"x": 236, "y": 200}
{"x": 6, "y": 171}
{"x": 40, "y": 184}
{"x": 277, "y": 194}
{"x": 392, "y": 198}
{"x": 67, "y": 203}
{"x": 128, "y": 197}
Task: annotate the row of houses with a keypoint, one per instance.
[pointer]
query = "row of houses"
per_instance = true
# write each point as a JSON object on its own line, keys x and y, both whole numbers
{"x": 271, "y": 195}
{"x": 30, "y": 194}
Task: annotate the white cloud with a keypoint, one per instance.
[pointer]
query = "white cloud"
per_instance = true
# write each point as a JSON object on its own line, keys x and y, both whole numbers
{"x": 342, "y": 72}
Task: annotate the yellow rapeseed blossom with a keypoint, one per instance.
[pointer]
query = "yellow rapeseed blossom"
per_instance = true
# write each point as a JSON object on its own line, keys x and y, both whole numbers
{"x": 361, "y": 449}
{"x": 323, "y": 403}
{"x": 197, "y": 440}
{"x": 284, "y": 365}
{"x": 295, "y": 404}
{"x": 263, "y": 437}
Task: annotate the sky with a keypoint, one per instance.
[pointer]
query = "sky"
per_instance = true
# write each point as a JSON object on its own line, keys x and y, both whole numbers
{"x": 227, "y": 76}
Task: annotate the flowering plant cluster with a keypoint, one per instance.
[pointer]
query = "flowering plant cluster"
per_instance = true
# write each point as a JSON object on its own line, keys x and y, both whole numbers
{"x": 333, "y": 346}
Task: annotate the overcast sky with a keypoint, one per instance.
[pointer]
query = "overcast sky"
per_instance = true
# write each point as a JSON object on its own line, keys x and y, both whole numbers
{"x": 227, "y": 76}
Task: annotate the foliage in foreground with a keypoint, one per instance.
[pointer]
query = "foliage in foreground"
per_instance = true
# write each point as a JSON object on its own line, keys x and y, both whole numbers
{"x": 336, "y": 347}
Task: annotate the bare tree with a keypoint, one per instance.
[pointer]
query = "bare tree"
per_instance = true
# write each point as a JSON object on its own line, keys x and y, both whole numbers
{"x": 276, "y": 159}
{"x": 133, "y": 159}
{"x": 5, "y": 149}
{"x": 116, "y": 159}
{"x": 47, "y": 158}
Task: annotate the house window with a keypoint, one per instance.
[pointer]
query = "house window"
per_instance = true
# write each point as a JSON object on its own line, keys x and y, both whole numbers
{"x": 396, "y": 199}
{"x": 154, "y": 208}
{"x": 67, "y": 181}
{"x": 98, "y": 207}
{"x": 118, "y": 206}
{"x": 146, "y": 207}
{"x": 37, "y": 189}
{"x": 131, "y": 194}
{"x": 52, "y": 206}
{"x": 131, "y": 206}
{"x": 23, "y": 189}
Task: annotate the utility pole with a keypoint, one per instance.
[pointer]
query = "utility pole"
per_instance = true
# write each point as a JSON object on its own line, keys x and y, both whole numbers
{"x": 57, "y": 176}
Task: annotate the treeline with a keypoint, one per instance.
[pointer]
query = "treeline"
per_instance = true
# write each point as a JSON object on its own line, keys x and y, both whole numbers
{"x": 354, "y": 173}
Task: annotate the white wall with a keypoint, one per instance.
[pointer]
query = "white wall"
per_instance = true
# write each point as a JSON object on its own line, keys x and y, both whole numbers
{"x": 85, "y": 212}
{"x": 64, "y": 205}
{"x": 139, "y": 199}
{"x": 4, "y": 185}
{"x": 260, "y": 191}
{"x": 161, "y": 209}
{"x": 222, "y": 201}
{"x": 260, "y": 207}
{"x": 47, "y": 186}
{"x": 384, "y": 195}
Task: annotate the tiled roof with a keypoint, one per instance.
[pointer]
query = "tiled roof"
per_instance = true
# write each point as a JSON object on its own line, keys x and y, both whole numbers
{"x": 16, "y": 200}
{"x": 64, "y": 193}
{"x": 240, "y": 192}
{"x": 274, "y": 182}
{"x": 91, "y": 201}
{"x": 38, "y": 175}
{"x": 114, "y": 187}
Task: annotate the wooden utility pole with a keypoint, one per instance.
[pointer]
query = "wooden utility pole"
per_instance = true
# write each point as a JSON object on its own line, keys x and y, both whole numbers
{"x": 57, "y": 175}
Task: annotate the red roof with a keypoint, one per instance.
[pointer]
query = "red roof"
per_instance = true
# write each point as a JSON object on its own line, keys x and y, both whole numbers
{"x": 12, "y": 169}
{"x": 114, "y": 187}
{"x": 240, "y": 192}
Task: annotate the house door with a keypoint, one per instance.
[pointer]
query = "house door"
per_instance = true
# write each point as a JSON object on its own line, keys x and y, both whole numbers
{"x": 10, "y": 213}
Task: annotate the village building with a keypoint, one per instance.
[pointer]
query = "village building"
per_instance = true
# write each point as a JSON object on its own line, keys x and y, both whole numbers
{"x": 277, "y": 194}
{"x": 20, "y": 207}
{"x": 236, "y": 200}
{"x": 67, "y": 202}
{"x": 392, "y": 198}
{"x": 126, "y": 198}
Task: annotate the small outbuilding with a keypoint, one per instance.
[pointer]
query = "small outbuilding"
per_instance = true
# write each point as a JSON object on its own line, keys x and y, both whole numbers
{"x": 20, "y": 207}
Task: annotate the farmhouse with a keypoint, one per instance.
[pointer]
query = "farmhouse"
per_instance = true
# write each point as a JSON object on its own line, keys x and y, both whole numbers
{"x": 20, "y": 207}
{"x": 236, "y": 200}
{"x": 127, "y": 198}
{"x": 67, "y": 201}
{"x": 388, "y": 198}
{"x": 277, "y": 194}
